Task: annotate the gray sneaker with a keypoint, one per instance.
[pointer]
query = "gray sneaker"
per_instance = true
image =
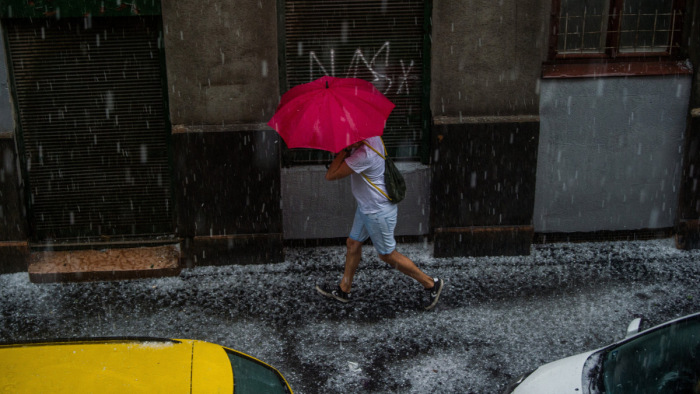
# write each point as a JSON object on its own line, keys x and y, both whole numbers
{"x": 432, "y": 295}
{"x": 337, "y": 293}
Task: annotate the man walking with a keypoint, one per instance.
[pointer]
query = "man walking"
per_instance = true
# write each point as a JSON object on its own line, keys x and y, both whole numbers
{"x": 375, "y": 218}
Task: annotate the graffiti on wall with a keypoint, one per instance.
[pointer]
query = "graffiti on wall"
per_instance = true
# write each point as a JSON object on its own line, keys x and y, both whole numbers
{"x": 377, "y": 66}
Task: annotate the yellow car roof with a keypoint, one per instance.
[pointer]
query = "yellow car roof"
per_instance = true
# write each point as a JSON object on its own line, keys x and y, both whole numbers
{"x": 115, "y": 365}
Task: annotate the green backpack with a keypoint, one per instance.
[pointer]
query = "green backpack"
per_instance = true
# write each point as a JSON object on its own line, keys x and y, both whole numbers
{"x": 393, "y": 180}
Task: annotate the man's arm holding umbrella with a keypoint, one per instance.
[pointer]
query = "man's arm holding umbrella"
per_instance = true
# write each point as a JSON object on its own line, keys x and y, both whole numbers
{"x": 338, "y": 168}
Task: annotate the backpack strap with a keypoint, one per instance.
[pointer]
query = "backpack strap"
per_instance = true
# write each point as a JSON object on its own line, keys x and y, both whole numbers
{"x": 375, "y": 151}
{"x": 383, "y": 157}
{"x": 376, "y": 187}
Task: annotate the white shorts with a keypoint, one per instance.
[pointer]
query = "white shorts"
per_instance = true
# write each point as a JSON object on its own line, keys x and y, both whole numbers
{"x": 377, "y": 226}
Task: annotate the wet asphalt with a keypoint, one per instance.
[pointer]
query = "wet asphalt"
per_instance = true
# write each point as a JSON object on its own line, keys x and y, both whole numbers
{"x": 497, "y": 318}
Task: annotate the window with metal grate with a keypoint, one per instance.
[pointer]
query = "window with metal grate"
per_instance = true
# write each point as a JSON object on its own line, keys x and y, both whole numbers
{"x": 381, "y": 41}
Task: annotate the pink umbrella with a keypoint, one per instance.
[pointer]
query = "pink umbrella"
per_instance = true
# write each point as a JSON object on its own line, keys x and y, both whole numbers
{"x": 331, "y": 113}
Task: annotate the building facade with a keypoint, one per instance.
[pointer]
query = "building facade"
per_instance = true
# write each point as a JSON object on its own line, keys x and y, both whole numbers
{"x": 144, "y": 123}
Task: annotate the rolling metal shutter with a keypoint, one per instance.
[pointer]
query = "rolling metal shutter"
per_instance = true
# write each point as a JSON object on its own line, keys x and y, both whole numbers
{"x": 89, "y": 94}
{"x": 380, "y": 41}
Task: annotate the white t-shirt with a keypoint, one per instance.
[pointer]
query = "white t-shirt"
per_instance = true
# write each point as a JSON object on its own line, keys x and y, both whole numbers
{"x": 365, "y": 160}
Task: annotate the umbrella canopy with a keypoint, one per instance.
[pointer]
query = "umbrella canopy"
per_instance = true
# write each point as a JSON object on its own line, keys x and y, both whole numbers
{"x": 331, "y": 113}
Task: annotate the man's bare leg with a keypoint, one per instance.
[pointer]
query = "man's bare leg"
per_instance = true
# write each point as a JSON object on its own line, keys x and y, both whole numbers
{"x": 408, "y": 267}
{"x": 352, "y": 261}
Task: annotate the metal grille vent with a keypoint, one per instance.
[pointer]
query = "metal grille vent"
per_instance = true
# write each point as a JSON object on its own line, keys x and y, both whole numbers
{"x": 380, "y": 41}
{"x": 90, "y": 100}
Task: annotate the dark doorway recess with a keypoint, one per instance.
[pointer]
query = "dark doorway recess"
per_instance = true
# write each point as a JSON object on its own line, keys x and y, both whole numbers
{"x": 93, "y": 124}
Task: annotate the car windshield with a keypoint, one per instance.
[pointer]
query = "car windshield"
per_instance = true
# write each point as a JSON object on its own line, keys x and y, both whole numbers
{"x": 252, "y": 376}
{"x": 665, "y": 360}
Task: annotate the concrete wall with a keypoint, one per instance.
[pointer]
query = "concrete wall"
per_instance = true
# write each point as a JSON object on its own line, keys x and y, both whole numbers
{"x": 221, "y": 61}
{"x": 485, "y": 62}
{"x": 609, "y": 155}
{"x": 223, "y": 86}
{"x": 485, "y": 66}
{"x": 314, "y": 208}
{"x": 486, "y": 56}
